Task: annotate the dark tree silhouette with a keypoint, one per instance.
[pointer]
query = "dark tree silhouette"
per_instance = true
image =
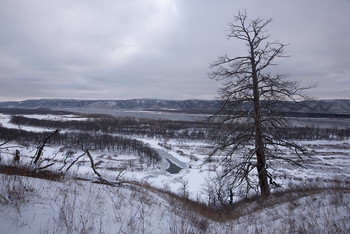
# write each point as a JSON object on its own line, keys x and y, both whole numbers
{"x": 253, "y": 99}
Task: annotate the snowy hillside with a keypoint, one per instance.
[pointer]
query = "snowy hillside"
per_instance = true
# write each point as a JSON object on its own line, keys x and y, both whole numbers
{"x": 31, "y": 205}
{"x": 132, "y": 104}
{"x": 143, "y": 195}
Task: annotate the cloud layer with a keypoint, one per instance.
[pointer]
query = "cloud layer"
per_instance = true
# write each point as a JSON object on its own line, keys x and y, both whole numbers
{"x": 159, "y": 48}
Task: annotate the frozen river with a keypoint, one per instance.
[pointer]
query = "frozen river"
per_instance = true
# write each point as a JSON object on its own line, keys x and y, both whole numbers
{"x": 172, "y": 164}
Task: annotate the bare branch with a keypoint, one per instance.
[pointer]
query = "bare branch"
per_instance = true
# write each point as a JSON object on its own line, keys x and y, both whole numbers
{"x": 40, "y": 148}
{"x": 76, "y": 160}
{"x": 94, "y": 169}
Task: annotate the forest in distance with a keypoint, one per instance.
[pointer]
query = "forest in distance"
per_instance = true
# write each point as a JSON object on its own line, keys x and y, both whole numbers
{"x": 161, "y": 128}
{"x": 120, "y": 134}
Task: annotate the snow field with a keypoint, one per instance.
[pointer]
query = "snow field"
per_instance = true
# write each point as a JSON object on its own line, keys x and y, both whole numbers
{"x": 330, "y": 161}
{"x": 75, "y": 206}
{"x": 82, "y": 207}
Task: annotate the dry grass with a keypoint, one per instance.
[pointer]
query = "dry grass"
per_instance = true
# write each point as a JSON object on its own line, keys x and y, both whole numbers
{"x": 16, "y": 191}
{"x": 185, "y": 215}
{"x": 288, "y": 196}
{"x": 24, "y": 170}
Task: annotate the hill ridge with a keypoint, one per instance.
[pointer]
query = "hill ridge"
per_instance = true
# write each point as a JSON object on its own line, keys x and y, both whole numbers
{"x": 336, "y": 106}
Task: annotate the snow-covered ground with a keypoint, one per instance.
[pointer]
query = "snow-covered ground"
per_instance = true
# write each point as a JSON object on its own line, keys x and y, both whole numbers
{"x": 81, "y": 207}
{"x": 331, "y": 161}
{"x": 110, "y": 164}
{"x": 32, "y": 205}
{"x": 46, "y": 206}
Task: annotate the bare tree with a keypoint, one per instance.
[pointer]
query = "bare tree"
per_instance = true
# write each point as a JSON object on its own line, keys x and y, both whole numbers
{"x": 253, "y": 100}
{"x": 41, "y": 146}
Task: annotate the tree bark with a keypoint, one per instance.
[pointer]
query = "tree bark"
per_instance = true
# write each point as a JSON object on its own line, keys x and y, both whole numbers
{"x": 259, "y": 143}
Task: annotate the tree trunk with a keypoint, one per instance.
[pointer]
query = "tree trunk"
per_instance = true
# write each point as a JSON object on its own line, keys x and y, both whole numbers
{"x": 259, "y": 144}
{"x": 261, "y": 164}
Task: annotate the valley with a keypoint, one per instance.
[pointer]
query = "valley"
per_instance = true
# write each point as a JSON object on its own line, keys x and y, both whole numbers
{"x": 160, "y": 156}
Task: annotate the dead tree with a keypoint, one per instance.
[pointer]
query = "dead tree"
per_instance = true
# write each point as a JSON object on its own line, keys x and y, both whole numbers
{"x": 252, "y": 101}
{"x": 40, "y": 148}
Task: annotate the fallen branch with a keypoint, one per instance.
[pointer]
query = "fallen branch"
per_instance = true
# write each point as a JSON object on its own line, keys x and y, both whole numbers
{"x": 41, "y": 168}
{"x": 104, "y": 181}
{"x": 74, "y": 162}
{"x": 40, "y": 148}
{"x": 4, "y": 143}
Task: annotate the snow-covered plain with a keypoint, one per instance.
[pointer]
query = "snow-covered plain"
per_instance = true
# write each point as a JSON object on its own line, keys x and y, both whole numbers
{"x": 330, "y": 161}
{"x": 82, "y": 207}
{"x": 110, "y": 164}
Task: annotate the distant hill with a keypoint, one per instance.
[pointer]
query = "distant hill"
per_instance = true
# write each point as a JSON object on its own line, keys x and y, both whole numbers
{"x": 195, "y": 106}
{"x": 338, "y": 106}
{"x": 315, "y": 108}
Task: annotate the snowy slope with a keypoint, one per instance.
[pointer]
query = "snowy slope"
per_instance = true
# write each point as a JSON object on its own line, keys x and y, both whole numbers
{"x": 30, "y": 205}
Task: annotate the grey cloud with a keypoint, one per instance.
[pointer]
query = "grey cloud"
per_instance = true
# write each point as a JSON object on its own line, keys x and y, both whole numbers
{"x": 159, "y": 49}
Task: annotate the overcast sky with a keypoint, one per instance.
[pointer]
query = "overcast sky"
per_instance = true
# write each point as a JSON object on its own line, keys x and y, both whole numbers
{"x": 122, "y": 49}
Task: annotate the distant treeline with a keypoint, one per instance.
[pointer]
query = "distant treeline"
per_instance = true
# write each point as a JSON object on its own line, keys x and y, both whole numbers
{"x": 313, "y": 115}
{"x": 127, "y": 125}
{"x": 167, "y": 129}
{"x": 40, "y": 111}
{"x": 316, "y": 133}
{"x": 89, "y": 140}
